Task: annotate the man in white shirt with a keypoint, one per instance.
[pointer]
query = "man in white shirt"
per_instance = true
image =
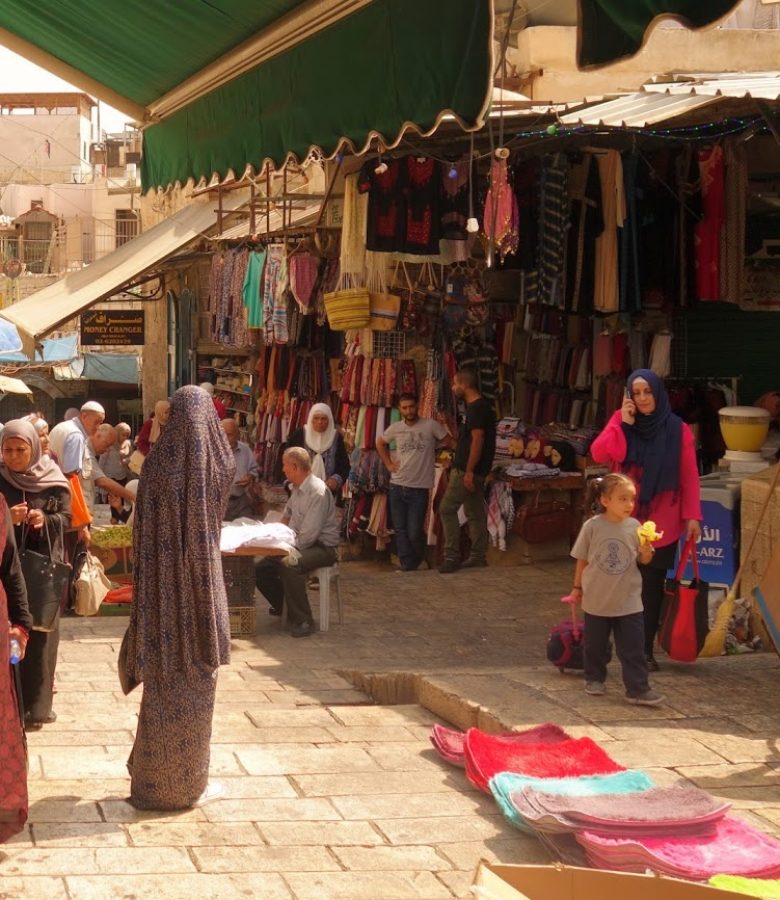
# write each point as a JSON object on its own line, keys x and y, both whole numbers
{"x": 411, "y": 479}
{"x": 240, "y": 501}
{"x": 311, "y": 513}
{"x": 68, "y": 440}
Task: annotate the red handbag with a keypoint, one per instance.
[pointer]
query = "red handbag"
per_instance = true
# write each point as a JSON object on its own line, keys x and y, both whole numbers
{"x": 685, "y": 619}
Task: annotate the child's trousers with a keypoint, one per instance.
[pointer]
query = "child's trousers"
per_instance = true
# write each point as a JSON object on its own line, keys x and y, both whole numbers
{"x": 629, "y": 634}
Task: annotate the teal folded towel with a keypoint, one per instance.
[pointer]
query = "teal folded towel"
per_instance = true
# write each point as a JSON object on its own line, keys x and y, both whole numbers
{"x": 506, "y": 783}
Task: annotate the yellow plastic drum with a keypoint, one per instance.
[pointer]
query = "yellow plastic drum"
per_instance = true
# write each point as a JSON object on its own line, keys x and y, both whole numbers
{"x": 744, "y": 428}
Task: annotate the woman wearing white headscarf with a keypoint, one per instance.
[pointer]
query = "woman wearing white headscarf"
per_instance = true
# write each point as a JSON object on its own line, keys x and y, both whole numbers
{"x": 329, "y": 459}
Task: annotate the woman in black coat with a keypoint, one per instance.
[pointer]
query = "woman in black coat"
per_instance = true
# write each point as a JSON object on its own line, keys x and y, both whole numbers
{"x": 38, "y": 496}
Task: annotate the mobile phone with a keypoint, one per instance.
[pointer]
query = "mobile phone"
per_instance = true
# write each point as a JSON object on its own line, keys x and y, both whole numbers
{"x": 628, "y": 394}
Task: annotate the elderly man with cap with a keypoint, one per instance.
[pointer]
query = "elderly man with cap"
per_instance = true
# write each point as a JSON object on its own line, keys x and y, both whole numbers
{"x": 69, "y": 439}
{"x": 92, "y": 476}
{"x": 240, "y": 501}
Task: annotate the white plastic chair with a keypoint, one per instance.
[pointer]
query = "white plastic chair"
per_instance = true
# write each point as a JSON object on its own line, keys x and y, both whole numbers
{"x": 325, "y": 576}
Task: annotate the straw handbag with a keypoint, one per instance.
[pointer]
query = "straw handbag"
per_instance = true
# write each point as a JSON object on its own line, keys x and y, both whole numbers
{"x": 348, "y": 306}
{"x": 384, "y": 305}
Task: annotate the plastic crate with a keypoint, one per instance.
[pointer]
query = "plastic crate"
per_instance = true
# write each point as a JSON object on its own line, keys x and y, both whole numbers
{"x": 239, "y": 575}
{"x": 243, "y": 620}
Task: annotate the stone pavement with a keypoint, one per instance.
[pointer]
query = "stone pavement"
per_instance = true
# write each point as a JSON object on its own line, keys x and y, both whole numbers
{"x": 330, "y": 794}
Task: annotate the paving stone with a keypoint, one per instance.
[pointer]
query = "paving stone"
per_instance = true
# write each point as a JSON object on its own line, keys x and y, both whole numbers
{"x": 251, "y": 734}
{"x": 88, "y": 762}
{"x": 682, "y": 751}
{"x": 459, "y": 883}
{"x": 56, "y": 810}
{"x": 291, "y": 718}
{"x": 750, "y": 797}
{"x": 32, "y": 888}
{"x": 353, "y": 886}
{"x": 76, "y": 834}
{"x": 217, "y": 860}
{"x": 291, "y": 759}
{"x": 391, "y": 859}
{"x": 317, "y": 697}
{"x": 728, "y": 776}
{"x": 441, "y": 830}
{"x": 382, "y": 783}
{"x": 383, "y": 715}
{"x": 194, "y": 834}
{"x": 122, "y": 811}
{"x": 303, "y": 833}
{"x": 391, "y": 734}
{"x": 521, "y": 848}
{"x": 771, "y": 814}
{"x": 405, "y": 758}
{"x": 163, "y": 887}
{"x": 299, "y": 810}
{"x": 740, "y": 749}
{"x": 406, "y": 806}
{"x": 50, "y": 738}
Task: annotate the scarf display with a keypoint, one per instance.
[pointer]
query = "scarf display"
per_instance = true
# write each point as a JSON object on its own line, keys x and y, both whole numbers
{"x": 42, "y": 473}
{"x": 654, "y": 443}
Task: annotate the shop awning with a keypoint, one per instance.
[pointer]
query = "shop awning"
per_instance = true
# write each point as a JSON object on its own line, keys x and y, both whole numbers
{"x": 614, "y": 29}
{"x": 13, "y": 386}
{"x": 45, "y": 310}
{"x": 223, "y": 85}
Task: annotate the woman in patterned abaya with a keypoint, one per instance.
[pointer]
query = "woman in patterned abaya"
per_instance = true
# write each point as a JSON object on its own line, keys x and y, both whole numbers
{"x": 15, "y": 622}
{"x": 179, "y": 632}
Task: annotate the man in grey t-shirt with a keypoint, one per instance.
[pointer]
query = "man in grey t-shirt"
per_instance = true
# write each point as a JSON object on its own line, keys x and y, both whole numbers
{"x": 412, "y": 470}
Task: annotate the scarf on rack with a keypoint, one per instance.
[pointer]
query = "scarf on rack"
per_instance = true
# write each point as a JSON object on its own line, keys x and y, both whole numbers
{"x": 319, "y": 442}
{"x": 42, "y": 473}
{"x": 654, "y": 443}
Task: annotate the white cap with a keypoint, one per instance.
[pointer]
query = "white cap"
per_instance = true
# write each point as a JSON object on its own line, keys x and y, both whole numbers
{"x": 208, "y": 387}
{"x": 93, "y": 406}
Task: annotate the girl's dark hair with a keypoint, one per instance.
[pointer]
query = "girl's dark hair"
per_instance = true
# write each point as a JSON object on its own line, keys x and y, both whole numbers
{"x": 603, "y": 487}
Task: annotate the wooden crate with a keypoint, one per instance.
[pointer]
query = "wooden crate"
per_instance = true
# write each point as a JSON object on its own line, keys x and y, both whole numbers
{"x": 243, "y": 620}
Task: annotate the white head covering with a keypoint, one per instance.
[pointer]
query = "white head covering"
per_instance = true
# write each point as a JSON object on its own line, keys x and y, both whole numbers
{"x": 93, "y": 406}
{"x": 132, "y": 486}
{"x": 318, "y": 442}
{"x": 208, "y": 387}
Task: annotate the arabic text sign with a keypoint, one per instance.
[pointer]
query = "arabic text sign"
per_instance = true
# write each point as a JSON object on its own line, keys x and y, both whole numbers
{"x": 121, "y": 327}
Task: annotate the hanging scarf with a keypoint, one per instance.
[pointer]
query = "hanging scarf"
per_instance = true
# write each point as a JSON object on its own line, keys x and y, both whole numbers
{"x": 319, "y": 442}
{"x": 42, "y": 473}
{"x": 654, "y": 443}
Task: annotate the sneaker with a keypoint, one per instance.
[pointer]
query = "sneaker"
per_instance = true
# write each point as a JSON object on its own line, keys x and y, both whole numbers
{"x": 449, "y": 566}
{"x": 647, "y": 698}
{"x": 595, "y": 688}
{"x": 214, "y": 790}
{"x": 472, "y": 563}
{"x": 652, "y": 664}
{"x": 304, "y": 629}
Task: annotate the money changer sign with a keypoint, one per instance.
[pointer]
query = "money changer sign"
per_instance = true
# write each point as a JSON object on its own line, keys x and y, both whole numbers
{"x": 122, "y": 327}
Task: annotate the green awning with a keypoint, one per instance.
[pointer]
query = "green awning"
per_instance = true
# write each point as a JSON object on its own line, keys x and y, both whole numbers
{"x": 392, "y": 64}
{"x": 610, "y": 30}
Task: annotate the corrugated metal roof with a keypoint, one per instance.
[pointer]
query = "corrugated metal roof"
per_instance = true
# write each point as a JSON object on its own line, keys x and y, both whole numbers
{"x": 635, "y": 110}
{"x": 673, "y": 96}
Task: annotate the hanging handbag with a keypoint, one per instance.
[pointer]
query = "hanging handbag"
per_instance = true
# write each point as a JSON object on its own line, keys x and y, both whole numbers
{"x": 684, "y": 622}
{"x": 46, "y": 580}
{"x": 348, "y": 306}
{"x": 538, "y": 523}
{"x": 92, "y": 585}
{"x": 136, "y": 462}
{"x": 80, "y": 514}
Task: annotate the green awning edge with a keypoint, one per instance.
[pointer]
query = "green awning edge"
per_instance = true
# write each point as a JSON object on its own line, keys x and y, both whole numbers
{"x": 395, "y": 65}
{"x": 612, "y": 30}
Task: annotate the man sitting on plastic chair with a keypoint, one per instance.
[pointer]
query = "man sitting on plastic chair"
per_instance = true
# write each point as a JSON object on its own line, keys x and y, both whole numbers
{"x": 311, "y": 513}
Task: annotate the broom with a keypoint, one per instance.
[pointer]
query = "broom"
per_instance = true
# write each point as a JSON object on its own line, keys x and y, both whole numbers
{"x": 716, "y": 639}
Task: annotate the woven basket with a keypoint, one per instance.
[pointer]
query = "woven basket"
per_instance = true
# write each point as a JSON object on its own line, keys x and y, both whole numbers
{"x": 243, "y": 620}
{"x": 384, "y": 311}
{"x": 347, "y": 308}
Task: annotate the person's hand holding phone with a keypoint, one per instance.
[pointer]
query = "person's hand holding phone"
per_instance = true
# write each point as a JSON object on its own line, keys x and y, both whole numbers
{"x": 628, "y": 410}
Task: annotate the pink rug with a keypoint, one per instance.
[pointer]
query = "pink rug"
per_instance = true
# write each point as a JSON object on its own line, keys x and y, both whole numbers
{"x": 486, "y": 755}
{"x": 449, "y": 744}
{"x": 732, "y": 848}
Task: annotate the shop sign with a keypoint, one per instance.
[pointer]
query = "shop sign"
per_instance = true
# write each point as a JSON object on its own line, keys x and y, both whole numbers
{"x": 121, "y": 327}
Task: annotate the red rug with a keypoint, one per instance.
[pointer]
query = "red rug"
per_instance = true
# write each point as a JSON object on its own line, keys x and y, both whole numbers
{"x": 449, "y": 744}
{"x": 486, "y": 755}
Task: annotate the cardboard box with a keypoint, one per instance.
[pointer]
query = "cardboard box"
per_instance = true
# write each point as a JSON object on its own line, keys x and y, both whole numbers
{"x": 494, "y": 882}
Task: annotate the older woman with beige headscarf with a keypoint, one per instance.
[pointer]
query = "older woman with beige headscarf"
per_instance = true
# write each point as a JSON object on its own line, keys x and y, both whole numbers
{"x": 152, "y": 427}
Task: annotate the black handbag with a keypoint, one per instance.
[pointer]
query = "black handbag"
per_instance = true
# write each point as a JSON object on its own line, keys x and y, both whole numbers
{"x": 47, "y": 581}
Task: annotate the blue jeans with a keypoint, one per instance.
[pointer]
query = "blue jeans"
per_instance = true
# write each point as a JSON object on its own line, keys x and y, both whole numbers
{"x": 407, "y": 508}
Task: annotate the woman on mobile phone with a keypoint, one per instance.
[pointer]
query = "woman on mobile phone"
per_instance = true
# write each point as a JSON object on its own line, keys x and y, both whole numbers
{"x": 645, "y": 440}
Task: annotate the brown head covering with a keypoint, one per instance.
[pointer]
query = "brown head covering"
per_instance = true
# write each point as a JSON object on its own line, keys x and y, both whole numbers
{"x": 42, "y": 473}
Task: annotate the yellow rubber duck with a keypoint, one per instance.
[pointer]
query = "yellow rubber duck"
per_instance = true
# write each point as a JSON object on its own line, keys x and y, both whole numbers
{"x": 648, "y": 534}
